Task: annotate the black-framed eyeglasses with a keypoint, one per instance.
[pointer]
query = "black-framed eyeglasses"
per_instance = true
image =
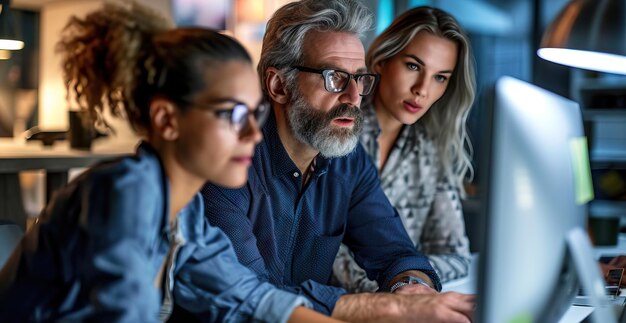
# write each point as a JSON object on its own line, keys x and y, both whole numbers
{"x": 239, "y": 115}
{"x": 336, "y": 81}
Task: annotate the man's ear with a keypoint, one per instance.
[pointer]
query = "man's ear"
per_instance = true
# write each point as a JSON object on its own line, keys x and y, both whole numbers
{"x": 163, "y": 119}
{"x": 275, "y": 85}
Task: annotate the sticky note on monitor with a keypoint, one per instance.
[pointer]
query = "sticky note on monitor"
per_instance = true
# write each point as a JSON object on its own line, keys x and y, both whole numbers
{"x": 582, "y": 170}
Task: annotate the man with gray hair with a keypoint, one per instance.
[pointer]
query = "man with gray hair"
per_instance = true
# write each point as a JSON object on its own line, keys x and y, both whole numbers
{"x": 312, "y": 187}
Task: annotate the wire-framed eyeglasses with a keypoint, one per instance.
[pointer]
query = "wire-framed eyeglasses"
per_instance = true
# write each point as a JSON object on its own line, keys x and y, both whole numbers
{"x": 336, "y": 81}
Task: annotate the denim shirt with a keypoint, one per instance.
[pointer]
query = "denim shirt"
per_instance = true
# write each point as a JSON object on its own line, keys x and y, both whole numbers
{"x": 290, "y": 235}
{"x": 101, "y": 242}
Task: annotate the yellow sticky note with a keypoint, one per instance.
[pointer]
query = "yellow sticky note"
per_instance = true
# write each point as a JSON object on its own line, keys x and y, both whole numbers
{"x": 582, "y": 170}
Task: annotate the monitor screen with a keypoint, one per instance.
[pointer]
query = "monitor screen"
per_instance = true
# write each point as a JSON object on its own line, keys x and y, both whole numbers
{"x": 532, "y": 203}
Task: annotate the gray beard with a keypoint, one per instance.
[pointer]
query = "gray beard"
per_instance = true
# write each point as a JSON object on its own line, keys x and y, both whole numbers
{"x": 313, "y": 127}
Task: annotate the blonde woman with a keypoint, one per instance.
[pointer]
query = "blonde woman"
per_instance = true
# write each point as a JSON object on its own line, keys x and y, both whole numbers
{"x": 415, "y": 133}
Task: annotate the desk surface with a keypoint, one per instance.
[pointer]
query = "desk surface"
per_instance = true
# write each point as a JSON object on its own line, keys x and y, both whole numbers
{"x": 54, "y": 160}
{"x": 468, "y": 285}
{"x": 16, "y": 157}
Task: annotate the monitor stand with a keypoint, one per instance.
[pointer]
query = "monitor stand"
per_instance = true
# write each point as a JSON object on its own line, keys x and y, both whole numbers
{"x": 589, "y": 276}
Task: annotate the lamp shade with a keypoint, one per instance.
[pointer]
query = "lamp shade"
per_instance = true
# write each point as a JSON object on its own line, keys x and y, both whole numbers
{"x": 8, "y": 39}
{"x": 589, "y": 34}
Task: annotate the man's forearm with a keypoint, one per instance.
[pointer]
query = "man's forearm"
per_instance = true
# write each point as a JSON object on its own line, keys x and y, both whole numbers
{"x": 367, "y": 307}
{"x": 433, "y": 307}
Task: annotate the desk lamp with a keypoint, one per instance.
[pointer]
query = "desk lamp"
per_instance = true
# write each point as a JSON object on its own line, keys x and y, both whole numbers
{"x": 588, "y": 34}
{"x": 8, "y": 39}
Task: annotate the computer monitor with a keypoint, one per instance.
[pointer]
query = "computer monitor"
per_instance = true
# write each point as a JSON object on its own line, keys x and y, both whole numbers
{"x": 535, "y": 250}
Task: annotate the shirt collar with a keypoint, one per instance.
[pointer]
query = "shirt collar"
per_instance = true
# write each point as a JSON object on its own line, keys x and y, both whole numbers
{"x": 145, "y": 148}
{"x": 188, "y": 222}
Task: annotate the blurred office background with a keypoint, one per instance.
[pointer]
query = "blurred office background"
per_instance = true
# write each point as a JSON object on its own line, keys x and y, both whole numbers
{"x": 505, "y": 35}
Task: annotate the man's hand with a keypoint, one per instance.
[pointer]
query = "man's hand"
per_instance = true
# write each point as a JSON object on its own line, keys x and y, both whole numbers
{"x": 445, "y": 307}
{"x": 616, "y": 262}
{"x": 619, "y": 261}
{"x": 432, "y": 307}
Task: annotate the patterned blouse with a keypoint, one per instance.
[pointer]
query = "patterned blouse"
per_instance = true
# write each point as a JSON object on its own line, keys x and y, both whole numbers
{"x": 429, "y": 205}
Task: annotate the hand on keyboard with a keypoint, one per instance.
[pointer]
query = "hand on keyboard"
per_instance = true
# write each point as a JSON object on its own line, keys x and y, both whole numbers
{"x": 607, "y": 264}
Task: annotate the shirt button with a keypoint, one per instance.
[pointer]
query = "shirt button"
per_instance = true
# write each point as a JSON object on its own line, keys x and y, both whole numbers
{"x": 296, "y": 174}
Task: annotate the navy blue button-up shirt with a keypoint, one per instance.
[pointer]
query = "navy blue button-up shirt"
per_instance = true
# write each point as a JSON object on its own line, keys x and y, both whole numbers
{"x": 290, "y": 235}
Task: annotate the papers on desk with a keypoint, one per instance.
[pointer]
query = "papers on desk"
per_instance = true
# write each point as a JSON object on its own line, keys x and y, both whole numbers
{"x": 465, "y": 285}
{"x": 576, "y": 314}
{"x": 617, "y": 302}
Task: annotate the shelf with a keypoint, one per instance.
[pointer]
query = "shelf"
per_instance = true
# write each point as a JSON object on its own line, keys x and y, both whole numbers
{"x": 605, "y": 207}
{"x": 598, "y": 89}
{"x": 601, "y": 97}
{"x": 607, "y": 156}
{"x": 612, "y": 83}
{"x": 593, "y": 114}
{"x": 586, "y": 80}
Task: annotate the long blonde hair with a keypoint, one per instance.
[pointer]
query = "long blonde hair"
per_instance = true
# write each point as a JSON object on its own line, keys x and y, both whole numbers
{"x": 445, "y": 122}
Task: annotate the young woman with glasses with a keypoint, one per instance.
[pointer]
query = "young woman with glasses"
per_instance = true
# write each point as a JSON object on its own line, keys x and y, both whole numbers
{"x": 414, "y": 131}
{"x": 127, "y": 240}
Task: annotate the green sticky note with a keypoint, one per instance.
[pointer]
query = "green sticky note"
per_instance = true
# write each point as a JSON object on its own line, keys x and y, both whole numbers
{"x": 522, "y": 318}
{"x": 582, "y": 171}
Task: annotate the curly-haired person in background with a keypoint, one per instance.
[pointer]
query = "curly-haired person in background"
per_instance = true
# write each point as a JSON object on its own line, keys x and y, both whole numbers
{"x": 415, "y": 133}
{"x": 127, "y": 240}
